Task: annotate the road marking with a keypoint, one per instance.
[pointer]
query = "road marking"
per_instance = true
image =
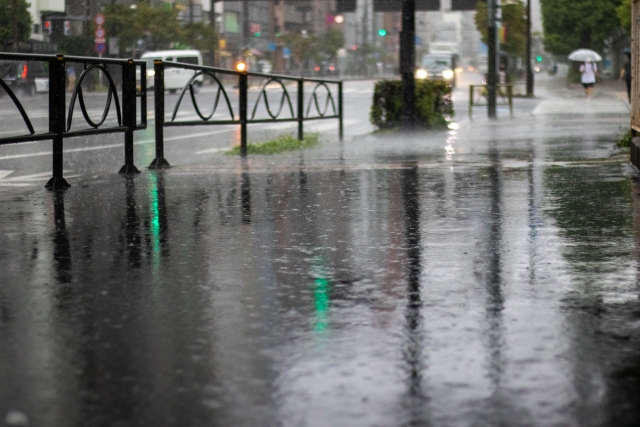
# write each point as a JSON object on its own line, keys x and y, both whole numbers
{"x": 169, "y": 139}
{"x": 211, "y": 151}
{"x": 27, "y": 180}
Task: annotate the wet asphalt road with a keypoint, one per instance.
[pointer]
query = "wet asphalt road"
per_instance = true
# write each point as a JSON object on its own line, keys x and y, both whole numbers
{"x": 482, "y": 276}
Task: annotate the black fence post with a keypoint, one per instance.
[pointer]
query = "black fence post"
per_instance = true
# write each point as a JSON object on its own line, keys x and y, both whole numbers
{"x": 158, "y": 89}
{"x": 340, "y": 112}
{"x": 129, "y": 114}
{"x": 300, "y": 109}
{"x": 243, "y": 87}
{"x": 57, "y": 73}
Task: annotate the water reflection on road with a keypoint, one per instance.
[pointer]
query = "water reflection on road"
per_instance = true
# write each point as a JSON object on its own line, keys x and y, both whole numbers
{"x": 408, "y": 295}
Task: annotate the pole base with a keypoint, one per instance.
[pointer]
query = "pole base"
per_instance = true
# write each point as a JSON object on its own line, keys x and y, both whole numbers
{"x": 159, "y": 163}
{"x": 128, "y": 170}
{"x": 57, "y": 184}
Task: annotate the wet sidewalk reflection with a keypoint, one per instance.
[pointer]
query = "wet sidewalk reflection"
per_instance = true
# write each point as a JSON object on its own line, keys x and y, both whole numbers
{"x": 410, "y": 293}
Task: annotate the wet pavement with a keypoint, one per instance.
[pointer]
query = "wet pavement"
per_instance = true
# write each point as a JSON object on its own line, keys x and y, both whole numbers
{"x": 485, "y": 275}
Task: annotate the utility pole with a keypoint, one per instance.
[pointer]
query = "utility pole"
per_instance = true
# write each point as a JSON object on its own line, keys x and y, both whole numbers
{"x": 529, "y": 71}
{"x": 493, "y": 57}
{"x": 245, "y": 23}
{"x": 407, "y": 65}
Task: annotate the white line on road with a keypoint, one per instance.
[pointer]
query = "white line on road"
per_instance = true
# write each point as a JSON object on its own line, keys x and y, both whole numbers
{"x": 107, "y": 146}
{"x": 316, "y": 127}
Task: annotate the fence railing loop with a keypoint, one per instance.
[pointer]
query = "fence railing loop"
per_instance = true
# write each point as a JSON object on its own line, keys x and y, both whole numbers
{"x": 263, "y": 95}
{"x": 77, "y": 92}
{"x": 19, "y": 106}
{"x": 189, "y": 86}
{"x": 60, "y": 119}
{"x": 329, "y": 99}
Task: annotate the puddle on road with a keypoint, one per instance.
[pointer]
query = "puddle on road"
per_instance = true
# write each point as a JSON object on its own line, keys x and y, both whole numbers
{"x": 384, "y": 296}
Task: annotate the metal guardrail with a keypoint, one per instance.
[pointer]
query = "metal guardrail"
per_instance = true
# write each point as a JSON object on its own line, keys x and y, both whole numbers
{"x": 328, "y": 111}
{"x": 504, "y": 92}
{"x": 60, "y": 119}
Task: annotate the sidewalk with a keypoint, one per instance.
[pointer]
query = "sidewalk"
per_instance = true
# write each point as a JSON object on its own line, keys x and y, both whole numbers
{"x": 481, "y": 275}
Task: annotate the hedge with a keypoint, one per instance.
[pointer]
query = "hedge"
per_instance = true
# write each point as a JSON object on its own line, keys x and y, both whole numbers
{"x": 433, "y": 103}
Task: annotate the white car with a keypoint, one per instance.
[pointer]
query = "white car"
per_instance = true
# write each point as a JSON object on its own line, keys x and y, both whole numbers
{"x": 174, "y": 78}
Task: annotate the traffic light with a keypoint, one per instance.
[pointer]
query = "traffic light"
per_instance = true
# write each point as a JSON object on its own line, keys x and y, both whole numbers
{"x": 539, "y": 58}
{"x": 256, "y": 34}
{"x": 382, "y": 32}
{"x": 47, "y": 28}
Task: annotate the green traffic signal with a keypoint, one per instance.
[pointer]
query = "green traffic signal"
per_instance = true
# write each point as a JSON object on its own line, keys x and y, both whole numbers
{"x": 256, "y": 34}
{"x": 382, "y": 32}
{"x": 539, "y": 58}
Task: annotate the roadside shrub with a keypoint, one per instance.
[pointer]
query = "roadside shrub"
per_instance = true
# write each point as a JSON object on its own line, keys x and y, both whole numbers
{"x": 433, "y": 103}
{"x": 625, "y": 139}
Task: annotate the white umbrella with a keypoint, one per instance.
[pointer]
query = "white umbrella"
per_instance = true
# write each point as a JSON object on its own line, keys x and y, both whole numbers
{"x": 584, "y": 55}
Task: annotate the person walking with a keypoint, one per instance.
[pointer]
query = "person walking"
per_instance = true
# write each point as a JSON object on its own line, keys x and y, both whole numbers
{"x": 588, "y": 78}
{"x": 625, "y": 73}
{"x": 71, "y": 78}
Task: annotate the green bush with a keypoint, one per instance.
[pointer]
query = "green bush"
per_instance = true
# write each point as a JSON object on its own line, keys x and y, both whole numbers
{"x": 625, "y": 139}
{"x": 433, "y": 103}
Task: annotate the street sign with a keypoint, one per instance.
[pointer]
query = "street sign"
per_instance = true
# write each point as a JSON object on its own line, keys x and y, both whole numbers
{"x": 272, "y": 47}
{"x": 100, "y": 33}
{"x": 100, "y": 48}
{"x": 99, "y": 19}
{"x": 99, "y": 40}
{"x": 286, "y": 52}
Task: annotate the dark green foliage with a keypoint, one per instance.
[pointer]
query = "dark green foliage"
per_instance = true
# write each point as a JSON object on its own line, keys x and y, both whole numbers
{"x": 575, "y": 24}
{"x": 79, "y": 45}
{"x": 514, "y": 19}
{"x": 15, "y": 24}
{"x": 625, "y": 139}
{"x": 624, "y": 14}
{"x": 433, "y": 103}
{"x": 158, "y": 27}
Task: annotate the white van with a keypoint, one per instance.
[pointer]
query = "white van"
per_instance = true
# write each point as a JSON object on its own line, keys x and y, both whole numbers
{"x": 174, "y": 78}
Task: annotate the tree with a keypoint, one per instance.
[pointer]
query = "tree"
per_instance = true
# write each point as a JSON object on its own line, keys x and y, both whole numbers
{"x": 302, "y": 46}
{"x": 575, "y": 24}
{"x": 15, "y": 23}
{"x": 329, "y": 43}
{"x": 624, "y": 14}
{"x": 156, "y": 27}
{"x": 199, "y": 36}
{"x": 514, "y": 20}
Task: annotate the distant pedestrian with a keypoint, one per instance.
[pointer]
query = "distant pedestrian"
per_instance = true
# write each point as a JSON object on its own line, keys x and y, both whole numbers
{"x": 625, "y": 73}
{"x": 71, "y": 78}
{"x": 588, "y": 78}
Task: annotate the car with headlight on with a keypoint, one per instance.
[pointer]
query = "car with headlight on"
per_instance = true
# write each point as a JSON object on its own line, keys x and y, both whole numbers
{"x": 438, "y": 66}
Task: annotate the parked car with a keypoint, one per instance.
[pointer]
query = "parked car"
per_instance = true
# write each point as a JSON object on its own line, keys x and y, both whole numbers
{"x": 28, "y": 77}
{"x": 174, "y": 78}
{"x": 438, "y": 66}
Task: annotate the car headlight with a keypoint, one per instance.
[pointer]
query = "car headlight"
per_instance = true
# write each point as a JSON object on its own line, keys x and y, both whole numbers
{"x": 151, "y": 73}
{"x": 421, "y": 74}
{"x": 447, "y": 74}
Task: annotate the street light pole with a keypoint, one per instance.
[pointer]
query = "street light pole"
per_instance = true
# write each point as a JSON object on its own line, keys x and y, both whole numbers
{"x": 529, "y": 71}
{"x": 407, "y": 65}
{"x": 492, "y": 71}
